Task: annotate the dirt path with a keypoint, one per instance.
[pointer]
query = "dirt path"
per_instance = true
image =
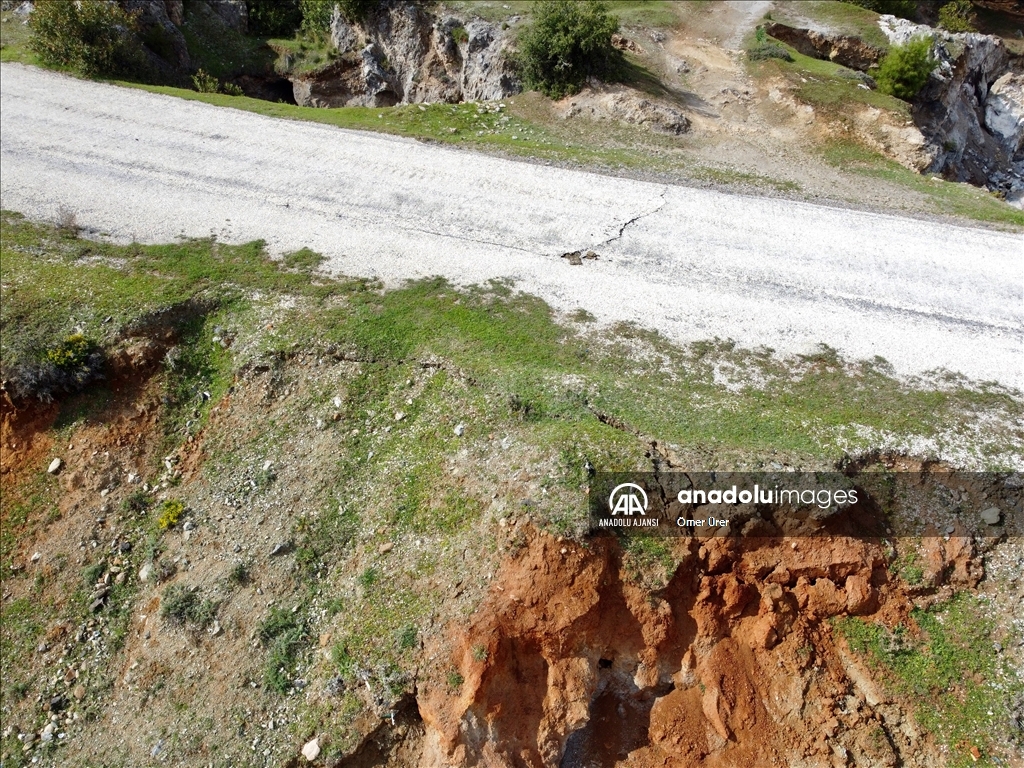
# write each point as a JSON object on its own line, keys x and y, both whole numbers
{"x": 692, "y": 263}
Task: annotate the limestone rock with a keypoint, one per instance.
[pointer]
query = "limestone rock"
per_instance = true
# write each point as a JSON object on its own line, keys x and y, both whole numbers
{"x": 344, "y": 36}
{"x": 311, "y": 750}
{"x": 601, "y": 102}
{"x": 1004, "y": 111}
{"x": 410, "y": 55}
{"x": 952, "y": 108}
{"x": 55, "y": 466}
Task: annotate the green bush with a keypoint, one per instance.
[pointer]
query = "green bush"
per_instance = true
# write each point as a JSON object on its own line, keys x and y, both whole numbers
{"x": 316, "y": 14}
{"x": 204, "y": 82}
{"x": 273, "y": 18}
{"x": 355, "y": 10}
{"x": 958, "y": 16}
{"x": 905, "y": 69}
{"x": 568, "y": 42}
{"x": 92, "y": 37}
{"x": 764, "y": 48}
{"x": 905, "y": 9}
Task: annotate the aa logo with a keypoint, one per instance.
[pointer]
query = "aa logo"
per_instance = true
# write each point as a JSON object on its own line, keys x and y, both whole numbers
{"x": 628, "y": 499}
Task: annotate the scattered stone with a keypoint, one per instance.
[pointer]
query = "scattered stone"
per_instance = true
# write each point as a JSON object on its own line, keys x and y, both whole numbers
{"x": 337, "y": 402}
{"x": 573, "y": 257}
{"x": 79, "y": 692}
{"x": 189, "y": 526}
{"x": 146, "y": 572}
{"x": 47, "y": 732}
{"x": 215, "y": 630}
{"x": 55, "y": 466}
{"x": 311, "y": 750}
{"x": 36, "y": 556}
{"x": 281, "y": 549}
{"x": 460, "y": 430}
{"x": 385, "y": 548}
{"x": 267, "y": 465}
{"x": 400, "y": 416}
{"x": 991, "y": 516}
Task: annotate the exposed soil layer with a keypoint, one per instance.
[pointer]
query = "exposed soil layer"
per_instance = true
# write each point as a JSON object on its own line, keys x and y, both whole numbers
{"x": 569, "y": 661}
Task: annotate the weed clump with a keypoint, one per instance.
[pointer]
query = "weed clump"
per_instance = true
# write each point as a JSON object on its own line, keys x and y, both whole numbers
{"x": 283, "y": 632}
{"x": 568, "y": 42}
{"x": 905, "y": 69}
{"x": 763, "y": 48}
{"x": 184, "y": 606}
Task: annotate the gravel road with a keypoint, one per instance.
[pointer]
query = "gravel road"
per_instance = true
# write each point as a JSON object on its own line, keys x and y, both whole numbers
{"x": 692, "y": 263}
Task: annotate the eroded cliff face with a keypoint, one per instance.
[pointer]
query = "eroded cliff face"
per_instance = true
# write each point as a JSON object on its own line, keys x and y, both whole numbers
{"x": 405, "y": 54}
{"x": 973, "y": 126}
{"x": 734, "y": 662}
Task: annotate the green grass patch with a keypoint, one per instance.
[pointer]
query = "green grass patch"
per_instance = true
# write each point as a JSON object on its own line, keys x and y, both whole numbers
{"x": 841, "y": 18}
{"x": 948, "y": 197}
{"x": 947, "y": 670}
{"x": 632, "y": 13}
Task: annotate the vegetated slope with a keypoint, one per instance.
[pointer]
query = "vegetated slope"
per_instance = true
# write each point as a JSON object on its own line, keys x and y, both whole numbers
{"x": 300, "y": 508}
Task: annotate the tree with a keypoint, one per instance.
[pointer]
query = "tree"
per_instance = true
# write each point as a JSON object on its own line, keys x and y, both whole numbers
{"x": 905, "y": 69}
{"x": 958, "y": 16}
{"x": 568, "y": 42}
{"x": 92, "y": 37}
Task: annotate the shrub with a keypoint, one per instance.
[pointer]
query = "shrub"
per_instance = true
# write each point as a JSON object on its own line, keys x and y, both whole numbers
{"x": 71, "y": 353}
{"x": 316, "y": 14}
{"x": 905, "y": 9}
{"x": 232, "y": 89}
{"x": 460, "y": 35}
{"x": 183, "y": 605}
{"x": 92, "y": 37}
{"x": 764, "y": 48}
{"x": 170, "y": 513}
{"x": 273, "y": 18}
{"x": 284, "y": 634}
{"x": 204, "y": 82}
{"x": 65, "y": 367}
{"x": 568, "y": 42}
{"x": 356, "y": 10}
{"x": 905, "y": 69}
{"x": 958, "y": 16}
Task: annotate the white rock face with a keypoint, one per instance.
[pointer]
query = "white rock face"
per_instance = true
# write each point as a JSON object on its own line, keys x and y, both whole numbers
{"x": 1004, "y": 110}
{"x": 405, "y": 54}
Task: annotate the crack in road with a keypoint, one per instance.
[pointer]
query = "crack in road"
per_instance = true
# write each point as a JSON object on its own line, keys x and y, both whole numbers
{"x": 637, "y": 218}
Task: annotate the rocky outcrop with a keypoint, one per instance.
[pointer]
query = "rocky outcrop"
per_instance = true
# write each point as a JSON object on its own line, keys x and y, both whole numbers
{"x": 161, "y": 35}
{"x": 1004, "y": 111}
{"x": 234, "y": 13}
{"x": 847, "y": 51}
{"x": 971, "y": 141}
{"x": 404, "y": 54}
{"x": 615, "y": 102}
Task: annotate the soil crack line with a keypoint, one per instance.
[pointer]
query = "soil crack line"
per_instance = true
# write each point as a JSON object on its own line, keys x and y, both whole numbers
{"x": 637, "y": 218}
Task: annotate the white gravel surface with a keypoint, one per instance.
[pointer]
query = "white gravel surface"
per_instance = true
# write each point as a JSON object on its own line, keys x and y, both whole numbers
{"x": 692, "y": 263}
